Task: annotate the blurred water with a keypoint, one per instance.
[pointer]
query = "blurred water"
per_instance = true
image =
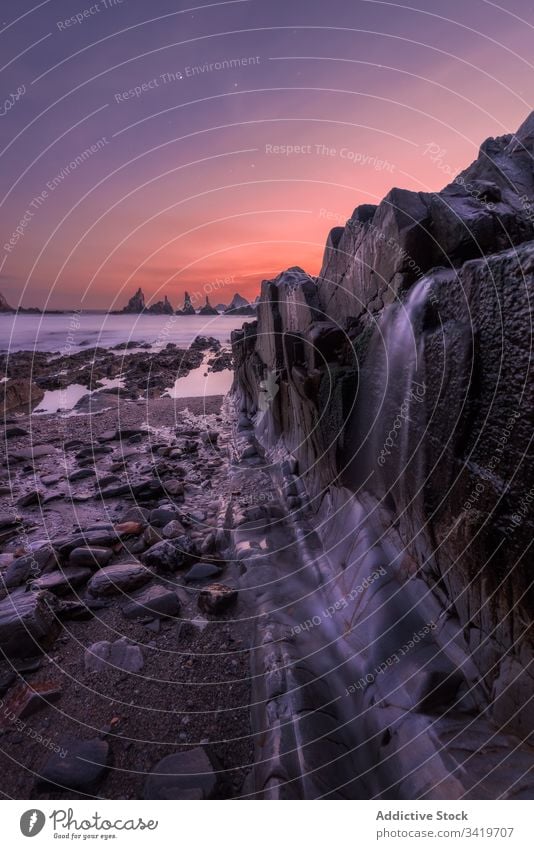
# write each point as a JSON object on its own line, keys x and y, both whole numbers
{"x": 73, "y": 332}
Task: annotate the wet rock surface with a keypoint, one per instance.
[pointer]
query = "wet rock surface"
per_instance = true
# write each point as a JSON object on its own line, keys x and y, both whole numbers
{"x": 392, "y": 396}
{"x": 145, "y": 374}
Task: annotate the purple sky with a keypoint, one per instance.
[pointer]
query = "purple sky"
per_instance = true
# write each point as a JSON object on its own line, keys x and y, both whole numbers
{"x": 297, "y": 112}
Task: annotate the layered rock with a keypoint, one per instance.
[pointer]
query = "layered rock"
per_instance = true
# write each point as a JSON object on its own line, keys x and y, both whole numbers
{"x": 400, "y": 377}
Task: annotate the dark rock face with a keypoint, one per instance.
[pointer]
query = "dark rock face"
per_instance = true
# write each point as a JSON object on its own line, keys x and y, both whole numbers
{"x": 136, "y": 304}
{"x": 402, "y": 371}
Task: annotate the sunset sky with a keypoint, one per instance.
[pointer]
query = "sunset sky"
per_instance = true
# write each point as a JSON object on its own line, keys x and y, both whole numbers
{"x": 186, "y": 180}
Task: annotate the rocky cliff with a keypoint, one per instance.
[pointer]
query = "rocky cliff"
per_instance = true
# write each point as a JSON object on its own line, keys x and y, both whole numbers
{"x": 393, "y": 397}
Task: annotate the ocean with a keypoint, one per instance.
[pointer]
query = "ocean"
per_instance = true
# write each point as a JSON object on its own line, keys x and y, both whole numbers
{"x": 74, "y": 332}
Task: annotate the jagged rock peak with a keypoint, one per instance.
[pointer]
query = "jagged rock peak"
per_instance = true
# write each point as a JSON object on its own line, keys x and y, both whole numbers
{"x": 207, "y": 309}
{"x": 188, "y": 308}
{"x": 237, "y": 301}
{"x": 239, "y": 306}
{"x": 4, "y": 306}
{"x": 163, "y": 307}
{"x": 136, "y": 303}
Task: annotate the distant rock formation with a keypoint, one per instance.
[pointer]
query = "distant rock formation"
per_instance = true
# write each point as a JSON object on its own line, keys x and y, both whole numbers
{"x": 188, "y": 308}
{"x": 239, "y": 306}
{"x": 220, "y": 307}
{"x": 163, "y": 307}
{"x": 136, "y": 304}
{"x": 207, "y": 309}
{"x": 4, "y": 306}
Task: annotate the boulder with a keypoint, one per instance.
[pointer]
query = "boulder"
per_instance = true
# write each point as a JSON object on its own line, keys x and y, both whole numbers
{"x": 118, "y": 579}
{"x": 170, "y": 554}
{"x": 27, "y": 623}
{"x": 202, "y": 572}
{"x": 184, "y": 775}
{"x": 19, "y": 396}
{"x": 216, "y": 598}
{"x": 64, "y": 580}
{"x": 29, "y": 566}
{"x": 90, "y": 556}
{"x": 79, "y": 766}
{"x": 173, "y": 529}
{"x": 152, "y": 602}
{"x": 104, "y": 656}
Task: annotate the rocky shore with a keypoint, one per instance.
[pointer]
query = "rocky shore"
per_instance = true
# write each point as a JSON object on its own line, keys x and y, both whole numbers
{"x": 138, "y": 370}
{"x": 122, "y": 631}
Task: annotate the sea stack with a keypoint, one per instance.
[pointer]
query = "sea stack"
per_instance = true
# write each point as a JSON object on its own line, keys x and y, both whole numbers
{"x": 163, "y": 307}
{"x": 207, "y": 309}
{"x": 4, "y": 306}
{"x": 239, "y": 306}
{"x": 188, "y": 308}
{"x": 136, "y": 304}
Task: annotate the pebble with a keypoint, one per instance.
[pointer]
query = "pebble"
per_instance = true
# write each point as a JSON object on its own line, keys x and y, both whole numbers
{"x": 184, "y": 775}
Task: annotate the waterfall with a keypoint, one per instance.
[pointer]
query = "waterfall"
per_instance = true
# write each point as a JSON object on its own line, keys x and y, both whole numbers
{"x": 390, "y": 397}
